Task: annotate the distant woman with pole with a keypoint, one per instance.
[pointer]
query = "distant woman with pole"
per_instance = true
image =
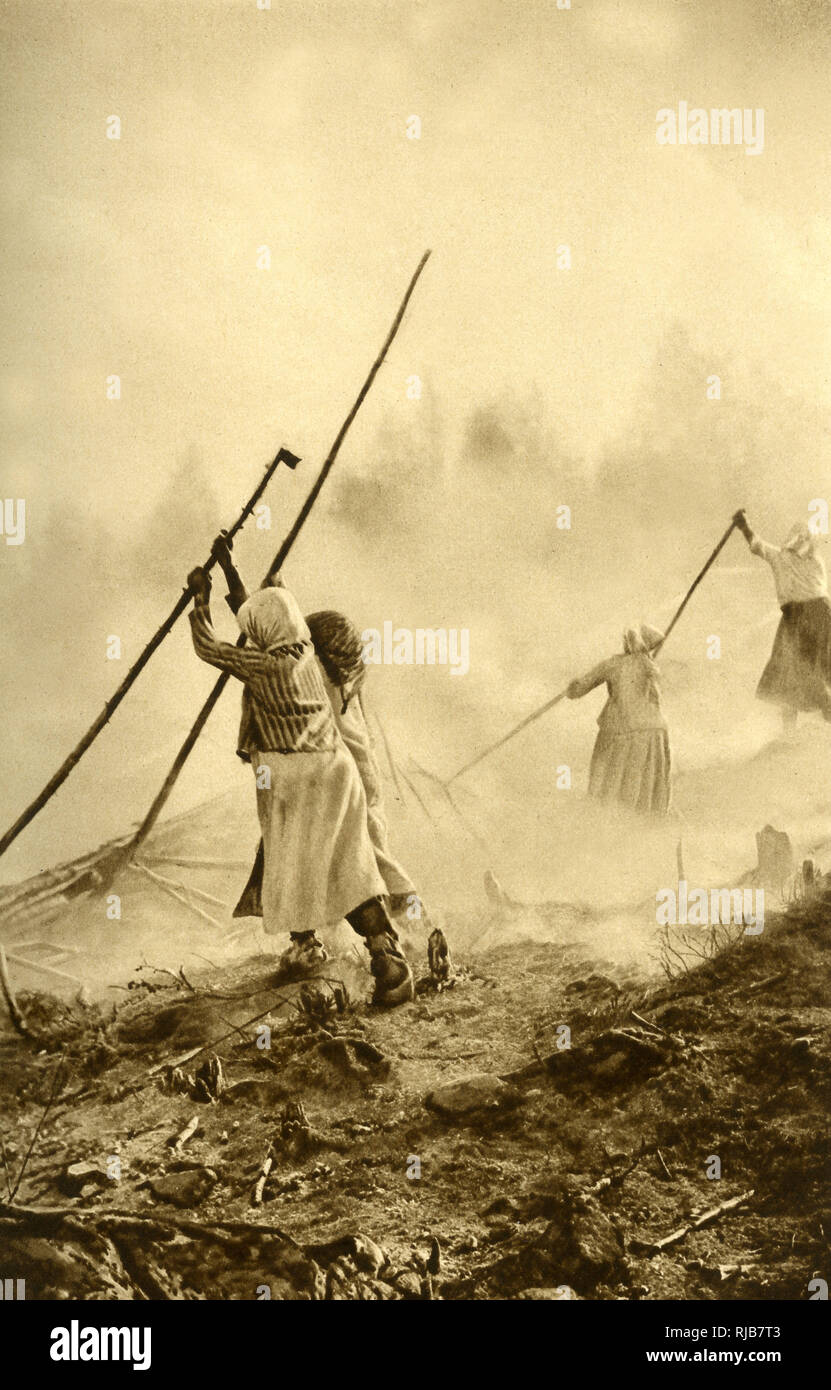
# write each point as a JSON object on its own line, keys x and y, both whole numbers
{"x": 798, "y": 674}
{"x": 631, "y": 760}
{"x": 556, "y": 699}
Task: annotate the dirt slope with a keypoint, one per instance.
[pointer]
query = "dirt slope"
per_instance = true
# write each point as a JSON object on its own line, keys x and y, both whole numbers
{"x": 562, "y": 1177}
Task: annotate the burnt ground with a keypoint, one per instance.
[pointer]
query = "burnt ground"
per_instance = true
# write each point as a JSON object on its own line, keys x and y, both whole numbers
{"x": 555, "y": 1172}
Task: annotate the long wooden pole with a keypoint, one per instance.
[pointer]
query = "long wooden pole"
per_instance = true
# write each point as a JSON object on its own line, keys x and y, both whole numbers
{"x": 698, "y": 578}
{"x": 205, "y": 712}
{"x": 512, "y": 733}
{"x": 135, "y": 670}
{"x": 282, "y": 553}
{"x": 543, "y": 709}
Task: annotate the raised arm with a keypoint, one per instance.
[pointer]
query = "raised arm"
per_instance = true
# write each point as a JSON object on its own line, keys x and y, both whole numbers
{"x": 241, "y": 662}
{"x": 757, "y": 545}
{"x": 237, "y": 593}
{"x": 583, "y": 684}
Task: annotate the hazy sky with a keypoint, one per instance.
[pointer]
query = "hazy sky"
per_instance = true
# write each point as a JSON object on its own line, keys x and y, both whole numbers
{"x": 288, "y": 128}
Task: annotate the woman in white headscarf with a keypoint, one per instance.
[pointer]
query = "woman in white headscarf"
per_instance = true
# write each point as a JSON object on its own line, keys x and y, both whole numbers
{"x": 631, "y": 761}
{"x": 798, "y": 673}
{"x": 339, "y": 648}
{"x": 319, "y": 865}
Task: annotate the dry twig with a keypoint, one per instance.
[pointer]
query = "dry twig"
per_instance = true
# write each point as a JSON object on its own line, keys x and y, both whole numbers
{"x": 11, "y": 1003}
{"x": 713, "y": 1214}
{"x": 262, "y": 1178}
{"x": 59, "y": 1080}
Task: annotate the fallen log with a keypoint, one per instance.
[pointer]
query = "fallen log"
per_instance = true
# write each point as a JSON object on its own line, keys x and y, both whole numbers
{"x": 675, "y": 1237}
{"x": 178, "y": 1141}
{"x": 47, "y": 1218}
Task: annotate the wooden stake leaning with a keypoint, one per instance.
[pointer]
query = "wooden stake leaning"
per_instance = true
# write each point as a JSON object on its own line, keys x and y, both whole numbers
{"x": 134, "y": 672}
{"x": 277, "y": 564}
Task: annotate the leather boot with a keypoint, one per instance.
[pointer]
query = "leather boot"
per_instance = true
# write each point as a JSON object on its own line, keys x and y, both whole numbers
{"x": 388, "y": 965}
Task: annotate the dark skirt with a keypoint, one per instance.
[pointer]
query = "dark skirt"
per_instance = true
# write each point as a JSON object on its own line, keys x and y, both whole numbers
{"x": 798, "y": 674}
{"x": 251, "y": 901}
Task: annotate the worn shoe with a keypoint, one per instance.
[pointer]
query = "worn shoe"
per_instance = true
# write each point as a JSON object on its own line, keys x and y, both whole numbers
{"x": 304, "y": 954}
{"x": 390, "y": 971}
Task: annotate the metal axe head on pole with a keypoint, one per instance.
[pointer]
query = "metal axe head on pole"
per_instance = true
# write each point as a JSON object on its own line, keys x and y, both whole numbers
{"x": 289, "y": 459}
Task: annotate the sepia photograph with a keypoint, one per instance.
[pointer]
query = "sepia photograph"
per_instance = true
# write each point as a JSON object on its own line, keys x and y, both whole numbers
{"x": 415, "y": 813}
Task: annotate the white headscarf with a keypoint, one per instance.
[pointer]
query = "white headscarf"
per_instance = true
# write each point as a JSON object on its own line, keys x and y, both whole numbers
{"x": 799, "y": 540}
{"x": 641, "y": 639}
{"x": 271, "y": 618}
